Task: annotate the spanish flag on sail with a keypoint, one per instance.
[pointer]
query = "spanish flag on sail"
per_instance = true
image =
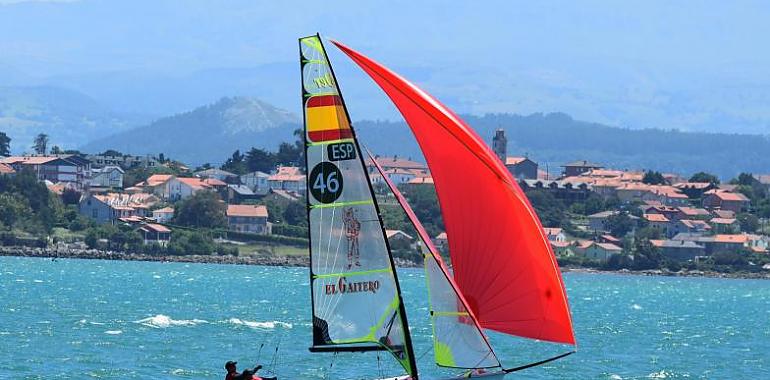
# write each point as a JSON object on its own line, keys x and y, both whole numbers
{"x": 326, "y": 119}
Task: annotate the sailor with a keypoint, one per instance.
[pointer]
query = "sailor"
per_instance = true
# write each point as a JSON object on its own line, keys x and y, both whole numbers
{"x": 232, "y": 372}
{"x": 248, "y": 374}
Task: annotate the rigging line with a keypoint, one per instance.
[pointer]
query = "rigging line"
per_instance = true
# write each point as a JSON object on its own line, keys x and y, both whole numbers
{"x": 530, "y": 365}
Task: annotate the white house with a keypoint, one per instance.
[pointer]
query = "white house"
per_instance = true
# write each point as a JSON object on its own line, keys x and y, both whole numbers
{"x": 257, "y": 182}
{"x": 108, "y": 176}
{"x": 177, "y": 188}
{"x": 288, "y": 178}
{"x": 163, "y": 215}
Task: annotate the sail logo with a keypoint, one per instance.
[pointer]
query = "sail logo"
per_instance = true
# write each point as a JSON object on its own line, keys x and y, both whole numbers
{"x": 344, "y": 287}
{"x": 324, "y": 81}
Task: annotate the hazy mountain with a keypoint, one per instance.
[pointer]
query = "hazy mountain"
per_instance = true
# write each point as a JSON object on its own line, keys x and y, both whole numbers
{"x": 67, "y": 116}
{"x": 207, "y": 134}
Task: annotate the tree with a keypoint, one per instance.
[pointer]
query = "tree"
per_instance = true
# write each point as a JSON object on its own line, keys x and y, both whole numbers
{"x": 748, "y": 222}
{"x": 41, "y": 143}
{"x": 5, "y": 144}
{"x": 260, "y": 160}
{"x": 56, "y": 150}
{"x": 236, "y": 163}
{"x": 704, "y": 177}
{"x": 295, "y": 213}
{"x": 203, "y": 209}
{"x": 619, "y": 224}
{"x": 653, "y": 178}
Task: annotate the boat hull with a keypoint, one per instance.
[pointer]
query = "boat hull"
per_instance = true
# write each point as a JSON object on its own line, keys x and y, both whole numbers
{"x": 485, "y": 376}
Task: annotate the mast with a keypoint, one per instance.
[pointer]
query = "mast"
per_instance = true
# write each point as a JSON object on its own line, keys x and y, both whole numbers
{"x": 343, "y": 213}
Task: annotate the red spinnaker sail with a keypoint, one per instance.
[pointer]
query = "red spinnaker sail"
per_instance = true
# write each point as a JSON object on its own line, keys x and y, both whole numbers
{"x": 503, "y": 263}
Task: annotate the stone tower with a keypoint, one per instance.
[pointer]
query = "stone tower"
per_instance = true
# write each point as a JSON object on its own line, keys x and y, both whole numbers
{"x": 500, "y": 144}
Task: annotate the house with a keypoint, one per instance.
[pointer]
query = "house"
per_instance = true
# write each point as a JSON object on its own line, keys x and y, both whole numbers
{"x": 724, "y": 225}
{"x": 441, "y": 242}
{"x": 555, "y": 234}
{"x": 6, "y": 170}
{"x": 257, "y": 182}
{"x": 70, "y": 168}
{"x": 607, "y": 238}
{"x": 688, "y": 226}
{"x": 248, "y": 218}
{"x": 562, "y": 248}
{"x": 122, "y": 161}
{"x": 387, "y": 163}
{"x": 668, "y": 212}
{"x": 178, "y": 188}
{"x": 288, "y": 178}
{"x": 694, "y": 190}
{"x": 657, "y": 221}
{"x": 419, "y": 181}
{"x": 155, "y": 184}
{"x": 399, "y": 239}
{"x": 219, "y": 174}
{"x": 108, "y": 176}
{"x": 521, "y": 167}
{"x": 598, "y": 221}
{"x": 155, "y": 234}
{"x": 400, "y": 176}
{"x": 679, "y": 250}
{"x": 577, "y": 168}
{"x": 163, "y": 215}
{"x": 729, "y": 243}
{"x": 692, "y": 213}
{"x": 725, "y": 200}
{"x": 109, "y": 207}
{"x": 727, "y": 214}
{"x": 239, "y": 194}
{"x": 601, "y": 251}
{"x": 561, "y": 189}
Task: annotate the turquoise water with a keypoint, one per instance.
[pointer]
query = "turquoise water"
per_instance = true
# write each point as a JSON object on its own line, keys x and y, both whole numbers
{"x": 80, "y": 319}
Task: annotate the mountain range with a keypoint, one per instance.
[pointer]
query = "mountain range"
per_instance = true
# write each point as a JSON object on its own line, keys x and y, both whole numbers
{"x": 207, "y": 134}
{"x": 66, "y": 116}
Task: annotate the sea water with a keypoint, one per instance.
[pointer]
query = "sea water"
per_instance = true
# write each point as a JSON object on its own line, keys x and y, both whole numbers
{"x": 89, "y": 319}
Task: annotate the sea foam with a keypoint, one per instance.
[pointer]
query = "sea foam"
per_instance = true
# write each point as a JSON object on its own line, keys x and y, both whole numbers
{"x": 260, "y": 325}
{"x": 161, "y": 321}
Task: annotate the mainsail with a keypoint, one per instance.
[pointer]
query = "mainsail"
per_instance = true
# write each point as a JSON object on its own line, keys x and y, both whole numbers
{"x": 503, "y": 263}
{"x": 356, "y": 299}
{"x": 458, "y": 341}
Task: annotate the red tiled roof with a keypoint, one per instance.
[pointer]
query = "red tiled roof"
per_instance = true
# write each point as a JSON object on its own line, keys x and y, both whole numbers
{"x": 514, "y": 160}
{"x": 287, "y": 174}
{"x": 421, "y": 181}
{"x": 441, "y": 236}
{"x": 156, "y": 227}
{"x": 247, "y": 210}
{"x": 551, "y": 231}
{"x": 734, "y": 239}
{"x": 214, "y": 182}
{"x": 195, "y": 183}
{"x": 28, "y": 160}
{"x": 609, "y": 246}
{"x": 164, "y": 210}
{"x": 392, "y": 233}
{"x": 728, "y": 196}
{"x": 157, "y": 179}
{"x": 656, "y": 218}
{"x": 5, "y": 169}
{"x": 395, "y": 162}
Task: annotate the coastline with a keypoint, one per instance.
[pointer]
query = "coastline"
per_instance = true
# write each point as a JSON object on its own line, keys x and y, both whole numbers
{"x": 302, "y": 261}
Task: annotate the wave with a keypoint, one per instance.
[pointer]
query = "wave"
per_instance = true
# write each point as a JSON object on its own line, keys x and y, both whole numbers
{"x": 113, "y": 332}
{"x": 161, "y": 321}
{"x": 260, "y": 325}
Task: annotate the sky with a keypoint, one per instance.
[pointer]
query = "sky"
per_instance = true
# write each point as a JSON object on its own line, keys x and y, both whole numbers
{"x": 690, "y": 65}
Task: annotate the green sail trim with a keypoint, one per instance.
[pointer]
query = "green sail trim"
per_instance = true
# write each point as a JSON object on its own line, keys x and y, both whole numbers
{"x": 343, "y": 204}
{"x": 353, "y": 274}
{"x": 443, "y": 354}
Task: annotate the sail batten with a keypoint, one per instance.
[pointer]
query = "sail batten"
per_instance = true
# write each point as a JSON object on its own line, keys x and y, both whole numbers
{"x": 491, "y": 226}
{"x": 356, "y": 300}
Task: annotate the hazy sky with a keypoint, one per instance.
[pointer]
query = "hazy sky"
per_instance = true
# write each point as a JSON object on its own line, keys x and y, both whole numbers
{"x": 688, "y": 65}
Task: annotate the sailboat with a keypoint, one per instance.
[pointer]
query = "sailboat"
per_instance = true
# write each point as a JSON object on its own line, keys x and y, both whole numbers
{"x": 504, "y": 274}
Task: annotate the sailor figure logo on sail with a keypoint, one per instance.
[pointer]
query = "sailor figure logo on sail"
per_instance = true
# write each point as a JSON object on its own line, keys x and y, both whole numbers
{"x": 352, "y": 230}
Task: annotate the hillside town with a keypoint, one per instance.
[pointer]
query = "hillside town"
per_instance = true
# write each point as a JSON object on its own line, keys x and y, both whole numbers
{"x": 605, "y": 216}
